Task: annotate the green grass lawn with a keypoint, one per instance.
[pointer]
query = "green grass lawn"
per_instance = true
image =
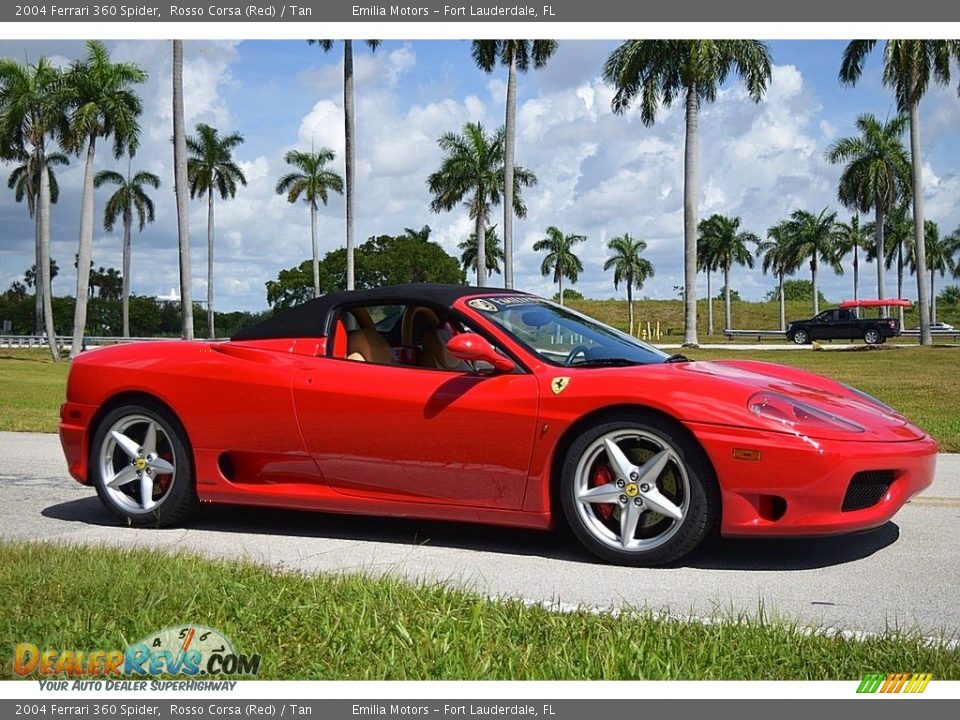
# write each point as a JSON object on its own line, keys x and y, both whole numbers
{"x": 923, "y": 383}
{"x": 352, "y": 627}
{"x": 31, "y": 390}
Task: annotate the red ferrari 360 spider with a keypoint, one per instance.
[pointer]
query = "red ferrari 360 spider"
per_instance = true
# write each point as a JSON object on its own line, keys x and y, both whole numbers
{"x": 488, "y": 406}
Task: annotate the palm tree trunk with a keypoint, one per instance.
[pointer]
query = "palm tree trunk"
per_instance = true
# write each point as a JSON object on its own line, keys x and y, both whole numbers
{"x": 180, "y": 181}
{"x": 813, "y": 279}
{"x": 127, "y": 222}
{"x": 726, "y": 298}
{"x": 900, "y": 280}
{"x": 481, "y": 232}
{"x": 37, "y": 285}
{"x": 856, "y": 272}
{"x": 211, "y": 332}
{"x": 709, "y": 306}
{"x": 920, "y": 248}
{"x": 783, "y": 306}
{"x": 560, "y": 284}
{"x": 42, "y": 275}
{"x": 348, "y": 128}
{"x": 630, "y": 303}
{"x": 84, "y": 253}
{"x": 880, "y": 254}
{"x": 933, "y": 299}
{"x": 313, "y": 243}
{"x": 508, "y": 163}
{"x": 691, "y": 169}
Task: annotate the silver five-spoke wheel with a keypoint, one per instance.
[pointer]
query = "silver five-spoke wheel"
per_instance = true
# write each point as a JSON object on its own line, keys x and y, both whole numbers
{"x": 137, "y": 463}
{"x": 632, "y": 491}
{"x": 638, "y": 493}
{"x": 141, "y": 467}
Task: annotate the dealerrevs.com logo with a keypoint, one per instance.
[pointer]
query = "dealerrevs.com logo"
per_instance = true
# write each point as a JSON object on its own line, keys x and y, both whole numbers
{"x": 190, "y": 650}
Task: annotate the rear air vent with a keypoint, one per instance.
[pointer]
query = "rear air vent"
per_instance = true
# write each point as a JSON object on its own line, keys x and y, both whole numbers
{"x": 867, "y": 488}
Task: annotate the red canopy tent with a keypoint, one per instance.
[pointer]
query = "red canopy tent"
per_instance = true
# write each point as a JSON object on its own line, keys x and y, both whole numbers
{"x": 890, "y": 302}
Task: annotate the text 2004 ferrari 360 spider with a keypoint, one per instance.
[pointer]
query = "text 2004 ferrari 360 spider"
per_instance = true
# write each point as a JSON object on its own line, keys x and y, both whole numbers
{"x": 488, "y": 406}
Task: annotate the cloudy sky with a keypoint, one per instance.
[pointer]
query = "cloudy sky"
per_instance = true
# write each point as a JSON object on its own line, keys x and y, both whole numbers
{"x": 599, "y": 175}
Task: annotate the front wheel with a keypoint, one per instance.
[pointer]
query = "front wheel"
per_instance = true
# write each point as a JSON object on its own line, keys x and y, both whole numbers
{"x": 801, "y": 337}
{"x": 639, "y": 492}
{"x": 141, "y": 467}
{"x": 872, "y": 336}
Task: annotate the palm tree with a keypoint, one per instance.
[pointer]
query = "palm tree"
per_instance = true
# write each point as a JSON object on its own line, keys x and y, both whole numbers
{"x": 938, "y": 259}
{"x": 349, "y": 126}
{"x": 729, "y": 246}
{"x": 779, "y": 259}
{"x": 181, "y": 183}
{"x": 129, "y": 197}
{"x": 560, "y": 259}
{"x": 707, "y": 261}
{"x": 814, "y": 237}
{"x": 850, "y": 238}
{"x": 103, "y": 104}
{"x": 658, "y": 71}
{"x": 25, "y": 183}
{"x": 908, "y": 67}
{"x": 516, "y": 55}
{"x": 32, "y": 112}
{"x": 313, "y": 182}
{"x": 473, "y": 166}
{"x": 897, "y": 232}
{"x": 493, "y": 251}
{"x": 628, "y": 267}
{"x": 876, "y": 176}
{"x": 210, "y": 167}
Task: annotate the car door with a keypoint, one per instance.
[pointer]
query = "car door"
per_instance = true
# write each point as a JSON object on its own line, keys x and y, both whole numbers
{"x": 419, "y": 435}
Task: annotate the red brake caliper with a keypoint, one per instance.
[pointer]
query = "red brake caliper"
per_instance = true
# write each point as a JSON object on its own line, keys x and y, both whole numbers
{"x": 602, "y": 476}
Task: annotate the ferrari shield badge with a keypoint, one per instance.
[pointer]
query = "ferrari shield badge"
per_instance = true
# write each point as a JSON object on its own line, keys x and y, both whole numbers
{"x": 559, "y": 384}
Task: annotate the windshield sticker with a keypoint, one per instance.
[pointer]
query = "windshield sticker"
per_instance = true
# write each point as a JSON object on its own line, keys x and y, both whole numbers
{"x": 513, "y": 300}
{"x": 483, "y": 305}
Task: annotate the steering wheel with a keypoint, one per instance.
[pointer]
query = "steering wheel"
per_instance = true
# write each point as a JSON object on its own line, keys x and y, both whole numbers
{"x": 577, "y": 350}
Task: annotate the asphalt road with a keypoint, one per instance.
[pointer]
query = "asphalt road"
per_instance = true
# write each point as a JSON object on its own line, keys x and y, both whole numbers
{"x": 905, "y": 574}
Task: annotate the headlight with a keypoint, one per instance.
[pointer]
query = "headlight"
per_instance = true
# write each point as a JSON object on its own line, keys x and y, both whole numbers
{"x": 797, "y": 416}
{"x": 872, "y": 400}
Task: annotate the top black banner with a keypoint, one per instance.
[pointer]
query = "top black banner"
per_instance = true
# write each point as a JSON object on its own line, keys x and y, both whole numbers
{"x": 578, "y": 11}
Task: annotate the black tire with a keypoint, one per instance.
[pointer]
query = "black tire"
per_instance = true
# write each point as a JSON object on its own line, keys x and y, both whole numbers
{"x": 800, "y": 337}
{"x": 687, "y": 480}
{"x": 173, "y": 496}
{"x": 872, "y": 336}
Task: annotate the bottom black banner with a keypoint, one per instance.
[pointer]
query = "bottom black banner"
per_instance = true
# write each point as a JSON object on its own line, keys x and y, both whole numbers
{"x": 562, "y": 709}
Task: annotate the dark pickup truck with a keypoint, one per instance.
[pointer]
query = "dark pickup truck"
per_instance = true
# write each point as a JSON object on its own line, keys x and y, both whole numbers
{"x": 842, "y": 324}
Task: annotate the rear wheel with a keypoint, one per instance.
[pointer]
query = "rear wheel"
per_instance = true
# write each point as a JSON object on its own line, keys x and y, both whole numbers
{"x": 801, "y": 337}
{"x": 141, "y": 466}
{"x": 638, "y": 491}
{"x": 871, "y": 336}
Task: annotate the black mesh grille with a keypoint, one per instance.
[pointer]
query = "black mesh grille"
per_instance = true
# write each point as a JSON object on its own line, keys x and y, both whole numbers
{"x": 867, "y": 489}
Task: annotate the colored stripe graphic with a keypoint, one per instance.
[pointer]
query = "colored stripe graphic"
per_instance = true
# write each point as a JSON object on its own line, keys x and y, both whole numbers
{"x": 894, "y": 683}
{"x": 871, "y": 682}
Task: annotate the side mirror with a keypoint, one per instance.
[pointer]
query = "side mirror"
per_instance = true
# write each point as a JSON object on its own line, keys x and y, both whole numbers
{"x": 473, "y": 348}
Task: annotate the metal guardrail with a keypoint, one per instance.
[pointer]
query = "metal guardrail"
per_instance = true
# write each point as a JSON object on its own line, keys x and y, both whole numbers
{"x": 40, "y": 341}
{"x": 955, "y": 334}
{"x": 758, "y": 334}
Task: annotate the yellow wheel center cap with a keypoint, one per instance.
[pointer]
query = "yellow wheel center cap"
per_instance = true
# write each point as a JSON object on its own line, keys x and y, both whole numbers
{"x": 631, "y": 490}
{"x": 140, "y": 463}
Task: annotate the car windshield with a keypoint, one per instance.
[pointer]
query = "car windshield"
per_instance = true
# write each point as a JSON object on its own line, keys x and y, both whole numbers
{"x": 562, "y": 336}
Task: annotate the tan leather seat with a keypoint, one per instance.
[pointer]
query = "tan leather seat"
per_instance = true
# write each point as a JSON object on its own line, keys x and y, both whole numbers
{"x": 367, "y": 345}
{"x": 434, "y": 353}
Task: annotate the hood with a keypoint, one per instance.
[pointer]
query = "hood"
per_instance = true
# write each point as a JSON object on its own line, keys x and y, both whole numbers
{"x": 720, "y": 393}
{"x": 879, "y": 423}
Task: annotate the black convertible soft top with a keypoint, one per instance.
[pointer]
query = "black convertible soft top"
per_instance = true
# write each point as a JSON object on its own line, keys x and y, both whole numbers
{"x": 315, "y": 318}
